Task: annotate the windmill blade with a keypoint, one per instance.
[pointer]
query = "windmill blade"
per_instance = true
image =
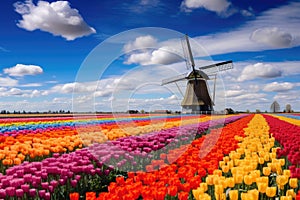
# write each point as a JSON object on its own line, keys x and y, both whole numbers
{"x": 186, "y": 52}
{"x": 180, "y": 77}
{"x": 218, "y": 67}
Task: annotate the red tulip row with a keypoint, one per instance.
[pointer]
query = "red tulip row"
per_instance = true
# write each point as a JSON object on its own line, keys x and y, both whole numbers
{"x": 288, "y": 136}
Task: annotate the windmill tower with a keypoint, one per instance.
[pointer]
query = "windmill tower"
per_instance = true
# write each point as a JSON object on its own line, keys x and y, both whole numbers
{"x": 197, "y": 95}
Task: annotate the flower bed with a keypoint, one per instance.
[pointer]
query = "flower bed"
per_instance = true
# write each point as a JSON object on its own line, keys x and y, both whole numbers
{"x": 287, "y": 135}
{"x": 252, "y": 171}
{"x": 176, "y": 179}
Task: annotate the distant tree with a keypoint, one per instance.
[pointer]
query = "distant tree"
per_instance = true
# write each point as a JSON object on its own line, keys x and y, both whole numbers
{"x": 266, "y": 111}
{"x": 275, "y": 107}
{"x": 247, "y": 111}
{"x": 142, "y": 111}
{"x": 257, "y": 111}
{"x": 24, "y": 112}
{"x": 229, "y": 111}
{"x": 3, "y": 111}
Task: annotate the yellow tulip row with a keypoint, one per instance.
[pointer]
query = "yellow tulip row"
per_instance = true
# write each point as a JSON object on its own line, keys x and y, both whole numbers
{"x": 245, "y": 173}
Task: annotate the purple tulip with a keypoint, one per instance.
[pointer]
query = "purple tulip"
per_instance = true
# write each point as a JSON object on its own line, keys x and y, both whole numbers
{"x": 25, "y": 187}
{"x": 45, "y": 185}
{"x": 47, "y": 196}
{"x": 106, "y": 172}
{"x": 51, "y": 188}
{"x": 5, "y": 182}
{"x": 62, "y": 181}
{"x": 42, "y": 193}
{"x": 44, "y": 175}
{"x": 2, "y": 193}
{"x": 27, "y": 178}
{"x": 10, "y": 191}
{"x": 73, "y": 183}
{"x": 20, "y": 173}
{"x": 70, "y": 174}
{"x": 19, "y": 192}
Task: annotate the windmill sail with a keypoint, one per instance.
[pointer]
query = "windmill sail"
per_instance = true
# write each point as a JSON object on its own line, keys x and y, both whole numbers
{"x": 218, "y": 67}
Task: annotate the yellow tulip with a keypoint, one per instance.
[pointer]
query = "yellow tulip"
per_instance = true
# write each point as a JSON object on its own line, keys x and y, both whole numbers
{"x": 217, "y": 172}
{"x": 225, "y": 168}
{"x": 233, "y": 195}
{"x": 271, "y": 191}
{"x": 266, "y": 157}
{"x": 261, "y": 160}
{"x": 221, "y": 163}
{"x": 248, "y": 179}
{"x": 266, "y": 171}
{"x": 254, "y": 193}
{"x": 282, "y": 161}
{"x": 246, "y": 196}
{"x": 230, "y": 182}
{"x": 286, "y": 198}
{"x": 281, "y": 180}
{"x": 291, "y": 193}
{"x": 204, "y": 197}
{"x": 209, "y": 180}
{"x": 238, "y": 178}
{"x": 293, "y": 182}
{"x": 262, "y": 187}
{"x": 219, "y": 189}
{"x": 287, "y": 172}
{"x": 204, "y": 186}
{"x": 226, "y": 159}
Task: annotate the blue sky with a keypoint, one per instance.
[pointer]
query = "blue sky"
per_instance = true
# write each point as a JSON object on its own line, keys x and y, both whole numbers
{"x": 45, "y": 47}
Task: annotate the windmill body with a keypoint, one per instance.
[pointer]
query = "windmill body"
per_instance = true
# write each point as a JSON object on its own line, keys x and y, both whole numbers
{"x": 197, "y": 97}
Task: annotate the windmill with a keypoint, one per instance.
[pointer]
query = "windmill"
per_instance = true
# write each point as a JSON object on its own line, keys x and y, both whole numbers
{"x": 197, "y": 95}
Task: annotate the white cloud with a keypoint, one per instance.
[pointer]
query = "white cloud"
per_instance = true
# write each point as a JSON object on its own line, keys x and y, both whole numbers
{"x": 31, "y": 85}
{"x": 7, "y": 81}
{"x": 22, "y": 70}
{"x": 140, "y": 42}
{"x": 57, "y": 18}
{"x": 148, "y": 51}
{"x": 272, "y": 36}
{"x": 281, "y": 23}
{"x": 259, "y": 70}
{"x": 278, "y": 87}
{"x": 221, "y": 7}
{"x": 234, "y": 93}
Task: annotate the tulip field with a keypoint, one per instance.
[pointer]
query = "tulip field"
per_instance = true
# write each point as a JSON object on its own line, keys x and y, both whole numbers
{"x": 164, "y": 157}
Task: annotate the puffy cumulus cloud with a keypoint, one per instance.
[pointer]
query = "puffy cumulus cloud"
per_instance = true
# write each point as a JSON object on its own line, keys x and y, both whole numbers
{"x": 219, "y": 6}
{"x": 259, "y": 70}
{"x": 147, "y": 51}
{"x": 22, "y": 70}
{"x": 278, "y": 87}
{"x": 57, "y": 18}
{"x": 272, "y": 36}
{"x": 140, "y": 42}
{"x": 7, "y": 81}
{"x": 159, "y": 56}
